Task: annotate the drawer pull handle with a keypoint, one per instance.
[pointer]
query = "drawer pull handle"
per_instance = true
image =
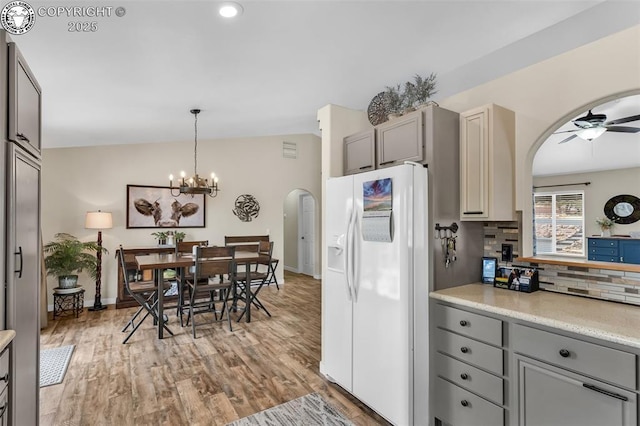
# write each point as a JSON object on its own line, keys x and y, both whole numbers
{"x": 605, "y": 392}
{"x": 5, "y": 378}
{"x": 464, "y": 376}
{"x": 464, "y": 403}
{"x": 473, "y": 212}
{"x": 464, "y": 349}
{"x": 464, "y": 323}
{"x": 365, "y": 167}
{"x": 564, "y": 353}
{"x": 22, "y": 137}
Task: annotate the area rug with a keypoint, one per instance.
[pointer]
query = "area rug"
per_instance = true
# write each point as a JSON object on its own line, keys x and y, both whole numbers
{"x": 53, "y": 364}
{"x": 309, "y": 410}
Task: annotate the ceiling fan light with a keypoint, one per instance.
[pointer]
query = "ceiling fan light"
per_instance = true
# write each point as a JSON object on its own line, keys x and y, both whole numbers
{"x": 591, "y": 133}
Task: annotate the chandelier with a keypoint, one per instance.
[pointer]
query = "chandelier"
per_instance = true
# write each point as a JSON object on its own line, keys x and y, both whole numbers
{"x": 195, "y": 184}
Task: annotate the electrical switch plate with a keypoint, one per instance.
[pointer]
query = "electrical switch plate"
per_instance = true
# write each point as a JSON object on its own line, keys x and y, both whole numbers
{"x": 507, "y": 252}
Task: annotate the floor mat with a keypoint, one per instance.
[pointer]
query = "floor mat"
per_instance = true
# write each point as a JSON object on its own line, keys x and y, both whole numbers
{"x": 308, "y": 410}
{"x": 53, "y": 364}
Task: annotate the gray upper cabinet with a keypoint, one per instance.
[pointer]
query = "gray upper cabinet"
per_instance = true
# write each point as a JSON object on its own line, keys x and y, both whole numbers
{"x": 24, "y": 104}
{"x": 487, "y": 173}
{"x": 400, "y": 139}
{"x": 359, "y": 152}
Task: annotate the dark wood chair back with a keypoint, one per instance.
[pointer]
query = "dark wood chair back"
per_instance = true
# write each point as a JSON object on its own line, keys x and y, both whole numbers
{"x": 246, "y": 243}
{"x": 214, "y": 261}
{"x": 187, "y": 246}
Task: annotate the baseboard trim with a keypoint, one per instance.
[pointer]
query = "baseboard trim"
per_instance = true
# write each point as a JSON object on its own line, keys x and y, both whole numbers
{"x": 89, "y": 303}
{"x": 291, "y": 269}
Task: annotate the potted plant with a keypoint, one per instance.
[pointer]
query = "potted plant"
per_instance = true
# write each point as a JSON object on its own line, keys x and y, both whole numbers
{"x": 394, "y": 99}
{"x": 605, "y": 225}
{"x": 66, "y": 256}
{"x": 409, "y": 97}
{"x": 424, "y": 88}
{"x": 179, "y": 236}
{"x": 161, "y": 237}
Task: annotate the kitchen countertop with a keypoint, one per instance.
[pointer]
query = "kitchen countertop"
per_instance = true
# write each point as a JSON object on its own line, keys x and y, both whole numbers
{"x": 608, "y": 321}
{"x": 6, "y": 337}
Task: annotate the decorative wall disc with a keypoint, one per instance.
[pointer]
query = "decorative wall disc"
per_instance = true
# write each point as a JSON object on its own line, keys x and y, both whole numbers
{"x": 246, "y": 207}
{"x": 378, "y": 111}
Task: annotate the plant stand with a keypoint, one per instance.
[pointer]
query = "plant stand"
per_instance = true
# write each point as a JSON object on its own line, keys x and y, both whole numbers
{"x": 68, "y": 301}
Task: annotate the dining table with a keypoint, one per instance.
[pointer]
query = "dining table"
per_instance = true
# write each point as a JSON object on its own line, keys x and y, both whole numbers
{"x": 159, "y": 262}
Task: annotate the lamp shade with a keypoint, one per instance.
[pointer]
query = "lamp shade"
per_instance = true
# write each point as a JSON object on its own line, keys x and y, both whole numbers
{"x": 98, "y": 220}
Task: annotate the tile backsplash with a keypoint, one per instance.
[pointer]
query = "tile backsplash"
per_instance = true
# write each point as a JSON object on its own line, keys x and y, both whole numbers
{"x": 596, "y": 283}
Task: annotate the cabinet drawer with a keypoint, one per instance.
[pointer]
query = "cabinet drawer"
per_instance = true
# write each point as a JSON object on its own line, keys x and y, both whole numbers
{"x": 479, "y": 327}
{"x": 464, "y": 375}
{"x": 593, "y": 360}
{"x": 597, "y": 242}
{"x": 600, "y": 258}
{"x": 604, "y": 251}
{"x": 459, "y": 407}
{"x": 469, "y": 350}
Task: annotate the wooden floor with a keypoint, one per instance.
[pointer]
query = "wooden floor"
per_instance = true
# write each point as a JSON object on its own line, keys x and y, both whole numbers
{"x": 219, "y": 377}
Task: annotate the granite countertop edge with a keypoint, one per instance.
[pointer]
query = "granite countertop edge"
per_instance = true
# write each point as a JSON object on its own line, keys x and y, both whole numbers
{"x": 596, "y": 333}
{"x": 6, "y": 337}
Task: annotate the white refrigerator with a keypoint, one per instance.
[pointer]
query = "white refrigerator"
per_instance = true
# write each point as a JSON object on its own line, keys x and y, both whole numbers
{"x": 375, "y": 290}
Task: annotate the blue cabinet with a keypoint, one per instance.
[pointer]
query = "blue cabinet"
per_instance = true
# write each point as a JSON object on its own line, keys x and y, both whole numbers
{"x": 620, "y": 250}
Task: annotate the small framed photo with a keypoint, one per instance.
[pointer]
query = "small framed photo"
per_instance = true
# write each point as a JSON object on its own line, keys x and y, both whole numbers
{"x": 156, "y": 207}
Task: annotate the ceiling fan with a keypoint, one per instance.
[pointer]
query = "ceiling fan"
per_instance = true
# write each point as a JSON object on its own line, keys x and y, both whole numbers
{"x": 592, "y": 125}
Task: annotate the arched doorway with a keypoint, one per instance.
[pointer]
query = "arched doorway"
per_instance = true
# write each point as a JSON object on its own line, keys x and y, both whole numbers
{"x": 299, "y": 232}
{"x": 567, "y": 165}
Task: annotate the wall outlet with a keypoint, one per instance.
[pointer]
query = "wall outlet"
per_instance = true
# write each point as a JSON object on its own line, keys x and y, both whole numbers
{"x": 507, "y": 252}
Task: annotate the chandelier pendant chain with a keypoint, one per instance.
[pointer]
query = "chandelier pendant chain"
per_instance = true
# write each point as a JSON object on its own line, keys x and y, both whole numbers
{"x": 195, "y": 150}
{"x": 195, "y": 184}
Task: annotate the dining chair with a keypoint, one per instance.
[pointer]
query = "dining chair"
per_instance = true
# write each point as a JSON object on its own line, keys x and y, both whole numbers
{"x": 144, "y": 293}
{"x": 265, "y": 248}
{"x": 182, "y": 248}
{"x": 214, "y": 273}
{"x": 258, "y": 278}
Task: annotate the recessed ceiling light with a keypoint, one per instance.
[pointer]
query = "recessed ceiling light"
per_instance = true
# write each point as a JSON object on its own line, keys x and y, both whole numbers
{"x": 230, "y": 9}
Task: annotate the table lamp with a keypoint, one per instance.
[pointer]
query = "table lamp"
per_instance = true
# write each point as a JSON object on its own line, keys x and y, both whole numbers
{"x": 98, "y": 220}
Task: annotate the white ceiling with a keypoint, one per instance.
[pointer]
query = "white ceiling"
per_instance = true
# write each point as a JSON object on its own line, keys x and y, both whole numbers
{"x": 611, "y": 150}
{"x": 268, "y": 71}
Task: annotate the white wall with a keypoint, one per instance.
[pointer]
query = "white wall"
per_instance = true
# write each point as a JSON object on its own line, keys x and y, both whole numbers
{"x": 604, "y": 185}
{"x": 77, "y": 180}
{"x": 544, "y": 93}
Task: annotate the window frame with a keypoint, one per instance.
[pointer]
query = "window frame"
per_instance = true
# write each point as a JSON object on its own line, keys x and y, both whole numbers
{"x": 553, "y": 195}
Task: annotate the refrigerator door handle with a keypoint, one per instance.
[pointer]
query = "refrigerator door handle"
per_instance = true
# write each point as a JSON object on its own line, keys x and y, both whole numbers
{"x": 19, "y": 253}
{"x": 352, "y": 254}
{"x": 347, "y": 259}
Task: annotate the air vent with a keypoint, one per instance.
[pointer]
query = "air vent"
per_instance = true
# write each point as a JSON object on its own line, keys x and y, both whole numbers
{"x": 289, "y": 150}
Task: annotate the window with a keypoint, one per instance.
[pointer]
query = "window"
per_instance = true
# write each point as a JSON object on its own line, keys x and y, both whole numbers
{"x": 559, "y": 223}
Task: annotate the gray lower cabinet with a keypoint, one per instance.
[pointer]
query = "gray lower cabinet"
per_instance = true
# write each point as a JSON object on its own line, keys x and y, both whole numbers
{"x": 552, "y": 396}
{"x": 469, "y": 368}
{"x": 493, "y": 370}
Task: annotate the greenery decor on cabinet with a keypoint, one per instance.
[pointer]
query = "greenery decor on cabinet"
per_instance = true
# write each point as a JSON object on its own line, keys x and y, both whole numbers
{"x": 66, "y": 256}
{"x": 401, "y": 98}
